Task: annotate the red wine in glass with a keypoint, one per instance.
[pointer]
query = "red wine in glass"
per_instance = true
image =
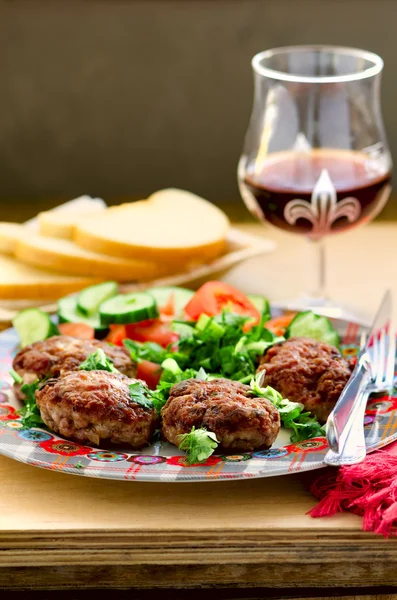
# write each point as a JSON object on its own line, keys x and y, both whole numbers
{"x": 287, "y": 177}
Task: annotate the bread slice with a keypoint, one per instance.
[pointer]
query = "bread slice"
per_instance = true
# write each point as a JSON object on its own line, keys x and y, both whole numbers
{"x": 9, "y": 234}
{"x": 60, "y": 222}
{"x": 172, "y": 226}
{"x": 19, "y": 281}
{"x": 63, "y": 256}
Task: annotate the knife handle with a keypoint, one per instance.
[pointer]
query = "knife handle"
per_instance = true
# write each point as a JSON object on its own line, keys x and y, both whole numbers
{"x": 348, "y": 404}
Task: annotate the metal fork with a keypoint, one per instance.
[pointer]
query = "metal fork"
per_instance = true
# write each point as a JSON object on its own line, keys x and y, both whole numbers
{"x": 382, "y": 359}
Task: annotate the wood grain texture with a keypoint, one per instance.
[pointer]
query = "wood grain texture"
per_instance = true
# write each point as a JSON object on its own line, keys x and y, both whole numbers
{"x": 61, "y": 531}
{"x": 231, "y": 593}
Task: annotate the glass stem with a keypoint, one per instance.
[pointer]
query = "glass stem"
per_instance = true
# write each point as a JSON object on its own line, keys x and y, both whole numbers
{"x": 317, "y": 268}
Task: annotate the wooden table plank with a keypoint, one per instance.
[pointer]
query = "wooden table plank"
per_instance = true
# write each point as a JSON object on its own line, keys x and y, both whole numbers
{"x": 38, "y": 500}
{"x": 384, "y": 593}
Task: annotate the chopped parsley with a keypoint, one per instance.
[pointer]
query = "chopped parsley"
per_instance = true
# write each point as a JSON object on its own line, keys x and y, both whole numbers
{"x": 98, "y": 361}
{"x": 220, "y": 345}
{"x": 30, "y": 412}
{"x": 141, "y": 394}
{"x": 199, "y": 444}
{"x": 147, "y": 351}
{"x": 303, "y": 425}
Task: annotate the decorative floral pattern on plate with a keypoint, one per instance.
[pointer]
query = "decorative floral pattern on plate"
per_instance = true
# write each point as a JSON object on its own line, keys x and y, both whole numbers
{"x": 64, "y": 448}
{"x": 271, "y": 453}
{"x": 381, "y": 405}
{"x": 350, "y": 351}
{"x": 369, "y": 419}
{"x": 180, "y": 461}
{"x": 313, "y": 445}
{"x": 7, "y": 413}
{"x": 235, "y": 457}
{"x": 104, "y": 456}
{"x": 14, "y": 424}
{"x": 32, "y": 435}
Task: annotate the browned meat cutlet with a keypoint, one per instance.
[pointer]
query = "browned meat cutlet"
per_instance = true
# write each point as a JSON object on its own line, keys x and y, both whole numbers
{"x": 307, "y": 371}
{"x": 95, "y": 406}
{"x": 240, "y": 421}
{"x": 61, "y": 354}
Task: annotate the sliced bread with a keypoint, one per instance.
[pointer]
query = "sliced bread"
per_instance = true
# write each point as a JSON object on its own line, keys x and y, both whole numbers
{"x": 63, "y": 256}
{"x": 19, "y": 281}
{"x": 9, "y": 234}
{"x": 172, "y": 226}
{"x": 59, "y": 222}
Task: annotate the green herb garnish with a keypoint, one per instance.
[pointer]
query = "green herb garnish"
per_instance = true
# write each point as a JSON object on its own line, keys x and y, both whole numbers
{"x": 199, "y": 444}
{"x": 217, "y": 344}
{"x": 30, "y": 412}
{"x": 16, "y": 377}
{"x": 146, "y": 351}
{"x": 98, "y": 361}
{"x": 304, "y": 426}
{"x": 141, "y": 395}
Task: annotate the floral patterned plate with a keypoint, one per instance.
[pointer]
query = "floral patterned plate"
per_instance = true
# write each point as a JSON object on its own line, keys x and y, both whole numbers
{"x": 164, "y": 462}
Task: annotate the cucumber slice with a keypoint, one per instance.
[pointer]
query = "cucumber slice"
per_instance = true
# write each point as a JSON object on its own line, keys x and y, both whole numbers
{"x": 68, "y": 312}
{"x": 308, "y": 324}
{"x": 181, "y": 297}
{"x": 261, "y": 303}
{"x": 128, "y": 308}
{"x": 89, "y": 299}
{"x": 33, "y": 325}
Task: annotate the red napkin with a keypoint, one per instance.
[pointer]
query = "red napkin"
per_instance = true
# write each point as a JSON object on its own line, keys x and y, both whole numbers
{"x": 368, "y": 489}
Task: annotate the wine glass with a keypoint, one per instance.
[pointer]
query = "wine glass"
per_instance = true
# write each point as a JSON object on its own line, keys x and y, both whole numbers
{"x": 316, "y": 159}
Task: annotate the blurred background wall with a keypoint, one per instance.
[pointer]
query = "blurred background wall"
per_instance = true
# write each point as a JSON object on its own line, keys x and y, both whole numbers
{"x": 118, "y": 98}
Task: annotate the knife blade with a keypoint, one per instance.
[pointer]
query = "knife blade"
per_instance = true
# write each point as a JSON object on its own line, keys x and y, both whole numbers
{"x": 344, "y": 412}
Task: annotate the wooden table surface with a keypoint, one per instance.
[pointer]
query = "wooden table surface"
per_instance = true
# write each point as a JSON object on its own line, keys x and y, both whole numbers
{"x": 63, "y": 531}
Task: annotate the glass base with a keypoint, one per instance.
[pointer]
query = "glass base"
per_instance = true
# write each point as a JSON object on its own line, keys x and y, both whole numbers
{"x": 324, "y": 306}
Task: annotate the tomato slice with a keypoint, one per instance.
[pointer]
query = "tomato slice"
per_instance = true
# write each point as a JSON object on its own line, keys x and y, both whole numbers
{"x": 79, "y": 330}
{"x": 116, "y": 335}
{"x": 155, "y": 330}
{"x": 278, "y": 325}
{"x": 215, "y": 296}
{"x": 168, "y": 309}
{"x": 149, "y": 372}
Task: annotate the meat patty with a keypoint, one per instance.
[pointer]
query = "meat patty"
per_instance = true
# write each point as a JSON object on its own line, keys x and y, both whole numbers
{"x": 240, "y": 421}
{"x": 95, "y": 406}
{"x": 307, "y": 371}
{"x": 62, "y": 353}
